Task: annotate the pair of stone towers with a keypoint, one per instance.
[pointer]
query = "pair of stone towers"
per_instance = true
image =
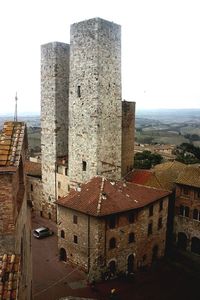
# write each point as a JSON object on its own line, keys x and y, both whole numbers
{"x": 83, "y": 117}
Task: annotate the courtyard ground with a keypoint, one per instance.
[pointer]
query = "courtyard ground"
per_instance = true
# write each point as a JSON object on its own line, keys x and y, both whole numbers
{"x": 170, "y": 279}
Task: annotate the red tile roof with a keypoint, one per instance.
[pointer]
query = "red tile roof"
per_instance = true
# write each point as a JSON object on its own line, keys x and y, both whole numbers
{"x": 139, "y": 176}
{"x": 9, "y": 276}
{"x": 33, "y": 168}
{"x": 11, "y": 141}
{"x": 100, "y": 197}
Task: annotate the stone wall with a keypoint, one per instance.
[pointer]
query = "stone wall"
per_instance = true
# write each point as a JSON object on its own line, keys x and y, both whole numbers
{"x": 128, "y": 136}
{"x": 187, "y": 224}
{"x": 54, "y": 112}
{"x": 95, "y": 100}
{"x": 92, "y": 251}
{"x": 34, "y": 193}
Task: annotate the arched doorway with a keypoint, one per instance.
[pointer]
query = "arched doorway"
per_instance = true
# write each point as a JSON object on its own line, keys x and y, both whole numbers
{"x": 155, "y": 253}
{"x": 130, "y": 263}
{"x": 62, "y": 254}
{"x": 182, "y": 241}
{"x": 195, "y": 246}
{"x": 112, "y": 267}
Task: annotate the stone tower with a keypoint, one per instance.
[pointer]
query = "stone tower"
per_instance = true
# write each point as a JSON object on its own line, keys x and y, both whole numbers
{"x": 54, "y": 115}
{"x": 95, "y": 108}
{"x": 128, "y": 136}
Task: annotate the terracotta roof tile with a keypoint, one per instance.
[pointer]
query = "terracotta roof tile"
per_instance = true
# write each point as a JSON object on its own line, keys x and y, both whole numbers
{"x": 100, "y": 197}
{"x": 163, "y": 176}
{"x": 11, "y": 141}
{"x": 9, "y": 276}
{"x": 33, "y": 168}
{"x": 190, "y": 176}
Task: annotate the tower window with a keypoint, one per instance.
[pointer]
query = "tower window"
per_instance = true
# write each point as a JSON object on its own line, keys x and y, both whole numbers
{"x": 84, "y": 165}
{"x": 79, "y": 91}
{"x": 75, "y": 219}
{"x": 75, "y": 239}
{"x": 31, "y": 188}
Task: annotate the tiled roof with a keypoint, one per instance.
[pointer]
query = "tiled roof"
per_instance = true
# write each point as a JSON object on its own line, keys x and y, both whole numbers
{"x": 9, "y": 276}
{"x": 170, "y": 165}
{"x": 190, "y": 176}
{"x": 33, "y": 168}
{"x": 144, "y": 177}
{"x": 163, "y": 176}
{"x": 100, "y": 197}
{"x": 11, "y": 141}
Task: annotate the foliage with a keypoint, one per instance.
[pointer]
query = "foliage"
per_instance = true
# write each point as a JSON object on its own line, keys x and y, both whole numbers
{"x": 146, "y": 160}
{"x": 187, "y": 153}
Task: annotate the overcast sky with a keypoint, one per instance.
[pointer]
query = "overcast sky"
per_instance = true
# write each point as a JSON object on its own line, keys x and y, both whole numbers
{"x": 160, "y": 48}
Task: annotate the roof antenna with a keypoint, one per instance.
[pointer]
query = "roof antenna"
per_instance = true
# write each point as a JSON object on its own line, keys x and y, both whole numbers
{"x": 15, "y": 116}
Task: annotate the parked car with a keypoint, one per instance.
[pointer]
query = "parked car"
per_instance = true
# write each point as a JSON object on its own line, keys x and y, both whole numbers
{"x": 42, "y": 232}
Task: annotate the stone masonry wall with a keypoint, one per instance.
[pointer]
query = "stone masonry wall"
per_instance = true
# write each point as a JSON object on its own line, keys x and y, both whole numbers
{"x": 6, "y": 213}
{"x": 182, "y": 224}
{"x": 54, "y": 111}
{"x": 82, "y": 252}
{"x": 128, "y": 136}
{"x": 92, "y": 252}
{"x": 95, "y": 100}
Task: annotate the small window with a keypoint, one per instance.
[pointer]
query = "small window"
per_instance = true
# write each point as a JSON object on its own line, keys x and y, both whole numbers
{"x": 195, "y": 214}
{"x": 75, "y": 219}
{"x": 31, "y": 188}
{"x": 59, "y": 184}
{"x": 187, "y": 211}
{"x": 160, "y": 223}
{"x": 68, "y": 187}
{"x": 151, "y": 211}
{"x": 112, "y": 243}
{"x": 84, "y": 165}
{"x": 79, "y": 91}
{"x": 62, "y": 234}
{"x": 131, "y": 218}
{"x": 150, "y": 226}
{"x": 131, "y": 237}
{"x": 112, "y": 222}
{"x": 161, "y": 205}
{"x": 185, "y": 191}
{"x": 184, "y": 211}
{"x": 75, "y": 239}
{"x": 66, "y": 171}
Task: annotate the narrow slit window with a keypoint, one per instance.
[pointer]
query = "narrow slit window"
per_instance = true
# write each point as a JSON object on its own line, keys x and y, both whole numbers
{"x": 79, "y": 91}
{"x": 84, "y": 164}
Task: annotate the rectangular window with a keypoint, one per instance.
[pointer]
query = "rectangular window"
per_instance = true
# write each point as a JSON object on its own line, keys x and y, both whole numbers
{"x": 131, "y": 218}
{"x": 59, "y": 184}
{"x": 151, "y": 211}
{"x": 185, "y": 191}
{"x": 75, "y": 239}
{"x": 150, "y": 226}
{"x": 79, "y": 91}
{"x": 184, "y": 211}
{"x": 112, "y": 222}
{"x": 75, "y": 219}
{"x": 84, "y": 165}
{"x": 161, "y": 205}
{"x": 160, "y": 223}
{"x": 66, "y": 171}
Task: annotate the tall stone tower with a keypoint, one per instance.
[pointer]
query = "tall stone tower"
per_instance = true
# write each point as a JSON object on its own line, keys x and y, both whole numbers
{"x": 128, "y": 136}
{"x": 95, "y": 108}
{"x": 54, "y": 115}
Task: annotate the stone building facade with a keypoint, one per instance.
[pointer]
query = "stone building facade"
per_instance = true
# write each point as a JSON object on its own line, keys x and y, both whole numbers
{"x": 15, "y": 225}
{"x": 94, "y": 129}
{"x": 109, "y": 227}
{"x": 187, "y": 211}
{"x": 54, "y": 115}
